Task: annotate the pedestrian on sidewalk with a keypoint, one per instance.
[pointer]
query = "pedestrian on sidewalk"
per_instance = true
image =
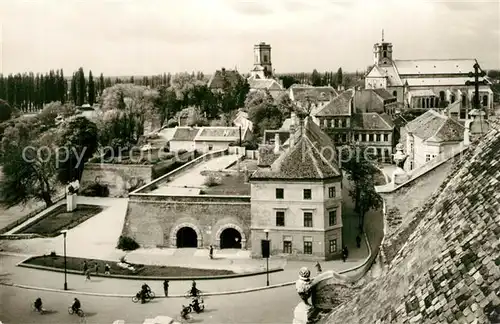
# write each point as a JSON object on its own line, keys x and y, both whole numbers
{"x": 96, "y": 268}
{"x": 345, "y": 253}
{"x": 85, "y": 266}
{"x": 318, "y": 267}
{"x": 165, "y": 287}
{"x": 211, "y": 252}
{"x": 106, "y": 269}
{"x": 87, "y": 275}
{"x": 358, "y": 241}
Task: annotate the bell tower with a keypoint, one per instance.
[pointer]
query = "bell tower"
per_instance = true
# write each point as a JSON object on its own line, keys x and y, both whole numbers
{"x": 262, "y": 60}
{"x": 382, "y": 52}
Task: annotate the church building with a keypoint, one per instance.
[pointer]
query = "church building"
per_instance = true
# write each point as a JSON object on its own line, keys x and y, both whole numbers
{"x": 428, "y": 83}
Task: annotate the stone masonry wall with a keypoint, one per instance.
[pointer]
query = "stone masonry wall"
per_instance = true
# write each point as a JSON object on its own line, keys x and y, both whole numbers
{"x": 154, "y": 221}
{"x": 401, "y": 207}
{"x": 118, "y": 177}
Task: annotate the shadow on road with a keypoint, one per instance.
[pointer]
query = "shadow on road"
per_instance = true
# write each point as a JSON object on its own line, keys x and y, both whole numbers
{"x": 90, "y": 314}
{"x": 209, "y": 310}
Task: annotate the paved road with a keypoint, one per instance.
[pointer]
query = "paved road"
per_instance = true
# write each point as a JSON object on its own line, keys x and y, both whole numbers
{"x": 271, "y": 306}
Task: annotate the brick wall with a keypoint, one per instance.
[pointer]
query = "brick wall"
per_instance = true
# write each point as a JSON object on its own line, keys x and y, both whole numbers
{"x": 152, "y": 220}
{"x": 118, "y": 177}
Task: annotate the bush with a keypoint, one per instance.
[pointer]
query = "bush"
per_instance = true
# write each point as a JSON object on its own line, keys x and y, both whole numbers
{"x": 126, "y": 243}
{"x": 211, "y": 181}
{"x": 172, "y": 123}
{"x": 96, "y": 190}
{"x": 181, "y": 151}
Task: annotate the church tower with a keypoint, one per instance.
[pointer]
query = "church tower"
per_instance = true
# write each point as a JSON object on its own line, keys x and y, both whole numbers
{"x": 263, "y": 67}
{"x": 382, "y": 53}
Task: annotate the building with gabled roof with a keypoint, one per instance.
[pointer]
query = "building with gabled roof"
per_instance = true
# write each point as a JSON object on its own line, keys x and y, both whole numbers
{"x": 205, "y": 139}
{"x": 271, "y": 85}
{"x": 443, "y": 264}
{"x": 222, "y": 78}
{"x": 296, "y": 195}
{"x": 429, "y": 135}
{"x": 427, "y": 84}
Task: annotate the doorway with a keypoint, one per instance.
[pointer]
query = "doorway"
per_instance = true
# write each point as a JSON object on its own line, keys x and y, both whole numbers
{"x": 187, "y": 238}
{"x": 230, "y": 238}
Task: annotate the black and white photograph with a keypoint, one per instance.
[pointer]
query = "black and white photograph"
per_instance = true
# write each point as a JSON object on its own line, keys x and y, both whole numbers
{"x": 250, "y": 161}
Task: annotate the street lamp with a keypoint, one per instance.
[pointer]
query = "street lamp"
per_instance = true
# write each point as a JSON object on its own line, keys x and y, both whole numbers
{"x": 267, "y": 259}
{"x": 64, "y": 232}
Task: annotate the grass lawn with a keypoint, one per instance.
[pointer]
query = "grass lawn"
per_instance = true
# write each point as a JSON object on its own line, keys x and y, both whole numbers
{"x": 51, "y": 224}
{"x": 230, "y": 184}
{"x": 141, "y": 270}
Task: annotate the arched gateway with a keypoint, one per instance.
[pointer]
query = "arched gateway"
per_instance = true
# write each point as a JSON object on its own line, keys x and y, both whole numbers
{"x": 186, "y": 235}
{"x": 231, "y": 236}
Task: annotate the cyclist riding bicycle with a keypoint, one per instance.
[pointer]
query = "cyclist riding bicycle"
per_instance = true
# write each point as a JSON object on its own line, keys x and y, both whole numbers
{"x": 76, "y": 305}
{"x": 194, "y": 292}
{"x": 38, "y": 304}
{"x": 145, "y": 290}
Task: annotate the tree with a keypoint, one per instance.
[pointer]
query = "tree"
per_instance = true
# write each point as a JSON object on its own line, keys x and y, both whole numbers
{"x": 102, "y": 84}
{"x": 51, "y": 111}
{"x": 81, "y": 88}
{"x": 27, "y": 173}
{"x": 288, "y": 81}
{"x": 79, "y": 137}
{"x": 263, "y": 112}
{"x": 167, "y": 104}
{"x": 339, "y": 80}
{"x": 361, "y": 172}
{"x": 5, "y": 111}
{"x": 285, "y": 104}
{"x": 316, "y": 79}
{"x": 73, "y": 92}
{"x": 91, "y": 89}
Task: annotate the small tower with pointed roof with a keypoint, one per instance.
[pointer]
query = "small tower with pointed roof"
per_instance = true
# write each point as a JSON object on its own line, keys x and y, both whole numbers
{"x": 382, "y": 52}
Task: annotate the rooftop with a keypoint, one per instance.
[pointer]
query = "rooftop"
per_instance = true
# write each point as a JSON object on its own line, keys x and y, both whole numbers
{"x": 435, "y": 126}
{"x": 339, "y": 106}
{"x": 301, "y": 92}
{"x": 448, "y": 269}
{"x": 372, "y": 121}
{"x": 183, "y": 133}
{"x": 263, "y": 84}
{"x": 219, "y": 133}
{"x": 217, "y": 80}
{"x": 448, "y": 66}
{"x": 312, "y": 156}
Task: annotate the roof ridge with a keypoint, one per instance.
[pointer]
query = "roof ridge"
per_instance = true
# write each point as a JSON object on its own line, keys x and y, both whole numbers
{"x": 452, "y": 59}
{"x": 316, "y": 165}
{"x": 383, "y": 119}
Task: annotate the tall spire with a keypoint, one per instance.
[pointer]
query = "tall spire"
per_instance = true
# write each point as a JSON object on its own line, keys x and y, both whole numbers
{"x": 382, "y": 35}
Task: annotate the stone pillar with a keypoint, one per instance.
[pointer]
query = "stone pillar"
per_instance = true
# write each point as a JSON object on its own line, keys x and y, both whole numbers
{"x": 71, "y": 202}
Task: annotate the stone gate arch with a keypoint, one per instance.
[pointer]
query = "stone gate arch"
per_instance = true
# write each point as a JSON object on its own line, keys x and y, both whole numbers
{"x": 233, "y": 226}
{"x": 175, "y": 229}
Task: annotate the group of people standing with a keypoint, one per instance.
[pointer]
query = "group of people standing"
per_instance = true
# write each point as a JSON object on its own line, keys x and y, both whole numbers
{"x": 87, "y": 269}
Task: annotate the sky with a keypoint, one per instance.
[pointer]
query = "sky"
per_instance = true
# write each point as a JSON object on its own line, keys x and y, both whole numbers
{"x": 145, "y": 37}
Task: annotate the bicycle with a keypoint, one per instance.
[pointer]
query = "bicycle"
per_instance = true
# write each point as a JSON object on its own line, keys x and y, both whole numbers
{"x": 34, "y": 309}
{"x": 149, "y": 296}
{"x": 79, "y": 311}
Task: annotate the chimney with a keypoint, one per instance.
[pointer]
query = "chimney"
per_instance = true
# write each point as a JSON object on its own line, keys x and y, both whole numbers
{"x": 223, "y": 70}
{"x": 467, "y": 132}
{"x": 276, "y": 143}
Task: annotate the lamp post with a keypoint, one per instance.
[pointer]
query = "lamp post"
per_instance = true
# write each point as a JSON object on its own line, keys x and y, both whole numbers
{"x": 64, "y": 232}
{"x": 267, "y": 259}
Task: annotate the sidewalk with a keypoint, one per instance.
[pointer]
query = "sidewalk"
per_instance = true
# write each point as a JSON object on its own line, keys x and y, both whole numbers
{"x": 55, "y": 280}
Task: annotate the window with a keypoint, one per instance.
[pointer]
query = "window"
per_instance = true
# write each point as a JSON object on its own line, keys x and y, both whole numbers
{"x": 333, "y": 246}
{"x": 485, "y": 101}
{"x": 280, "y": 193}
{"x": 265, "y": 58}
{"x": 308, "y": 245}
{"x": 363, "y": 137}
{"x": 427, "y": 157}
{"x": 411, "y": 165}
{"x": 210, "y": 147}
{"x": 332, "y": 217}
{"x": 386, "y": 137}
{"x": 331, "y": 192}
{"x": 377, "y": 138}
{"x": 344, "y": 138}
{"x": 379, "y": 152}
{"x": 280, "y": 218}
{"x": 287, "y": 244}
{"x": 308, "y": 219}
{"x": 395, "y": 94}
{"x": 307, "y": 194}
{"x": 344, "y": 123}
{"x": 370, "y": 137}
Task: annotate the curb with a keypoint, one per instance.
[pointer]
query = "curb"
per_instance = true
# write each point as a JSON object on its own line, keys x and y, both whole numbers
{"x": 153, "y": 278}
{"x": 221, "y": 293}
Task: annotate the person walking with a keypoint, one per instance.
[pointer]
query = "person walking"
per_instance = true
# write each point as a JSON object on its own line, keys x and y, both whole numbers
{"x": 345, "y": 253}
{"x": 106, "y": 269}
{"x": 165, "y": 287}
{"x": 96, "y": 268}
{"x": 318, "y": 267}
{"x": 87, "y": 275}
{"x": 358, "y": 241}
{"x": 85, "y": 266}
{"x": 211, "y": 253}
